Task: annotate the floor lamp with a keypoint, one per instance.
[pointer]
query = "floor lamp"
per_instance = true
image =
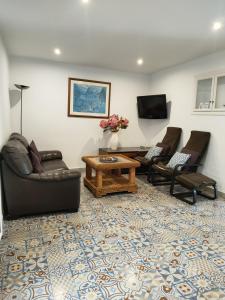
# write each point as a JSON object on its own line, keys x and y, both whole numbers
{"x": 21, "y": 88}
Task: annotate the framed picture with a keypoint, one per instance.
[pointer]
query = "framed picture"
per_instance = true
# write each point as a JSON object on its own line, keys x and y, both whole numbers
{"x": 88, "y": 98}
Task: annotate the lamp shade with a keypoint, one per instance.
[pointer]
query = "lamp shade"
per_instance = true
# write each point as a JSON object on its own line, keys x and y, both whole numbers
{"x": 21, "y": 86}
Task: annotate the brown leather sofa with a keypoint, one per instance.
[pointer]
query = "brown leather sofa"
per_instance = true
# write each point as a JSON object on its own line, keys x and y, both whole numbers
{"x": 27, "y": 193}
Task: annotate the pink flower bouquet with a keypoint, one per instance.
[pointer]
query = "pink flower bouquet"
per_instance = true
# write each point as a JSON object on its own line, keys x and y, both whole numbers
{"x": 114, "y": 123}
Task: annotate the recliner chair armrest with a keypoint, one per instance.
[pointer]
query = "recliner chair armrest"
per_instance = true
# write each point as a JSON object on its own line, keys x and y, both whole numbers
{"x": 50, "y": 155}
{"x": 185, "y": 166}
{"x": 56, "y": 175}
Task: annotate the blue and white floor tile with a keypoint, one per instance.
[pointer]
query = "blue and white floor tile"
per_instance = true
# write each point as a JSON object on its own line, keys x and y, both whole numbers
{"x": 120, "y": 247}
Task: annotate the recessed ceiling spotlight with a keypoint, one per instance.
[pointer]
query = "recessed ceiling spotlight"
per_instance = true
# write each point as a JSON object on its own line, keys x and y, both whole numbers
{"x": 217, "y": 26}
{"x": 140, "y": 61}
{"x": 85, "y": 1}
{"x": 57, "y": 51}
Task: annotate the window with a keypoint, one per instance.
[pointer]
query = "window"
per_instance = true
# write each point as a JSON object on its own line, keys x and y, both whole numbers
{"x": 210, "y": 93}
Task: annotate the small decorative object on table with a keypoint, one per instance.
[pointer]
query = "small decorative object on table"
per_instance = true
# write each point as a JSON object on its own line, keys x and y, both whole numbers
{"x": 108, "y": 159}
{"x": 114, "y": 124}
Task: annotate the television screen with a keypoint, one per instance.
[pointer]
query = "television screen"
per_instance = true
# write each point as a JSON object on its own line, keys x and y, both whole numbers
{"x": 152, "y": 107}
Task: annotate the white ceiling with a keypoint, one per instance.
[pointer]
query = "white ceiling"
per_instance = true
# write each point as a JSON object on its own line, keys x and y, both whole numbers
{"x": 113, "y": 33}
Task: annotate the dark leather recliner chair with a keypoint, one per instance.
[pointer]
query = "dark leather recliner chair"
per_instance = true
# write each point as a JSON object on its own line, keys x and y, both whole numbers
{"x": 28, "y": 193}
{"x": 196, "y": 147}
{"x": 169, "y": 145}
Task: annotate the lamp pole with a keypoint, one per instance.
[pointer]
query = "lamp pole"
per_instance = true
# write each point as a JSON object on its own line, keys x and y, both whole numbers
{"x": 21, "y": 87}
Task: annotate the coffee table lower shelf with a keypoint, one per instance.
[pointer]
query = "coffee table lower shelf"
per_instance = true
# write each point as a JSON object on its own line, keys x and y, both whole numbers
{"x": 110, "y": 184}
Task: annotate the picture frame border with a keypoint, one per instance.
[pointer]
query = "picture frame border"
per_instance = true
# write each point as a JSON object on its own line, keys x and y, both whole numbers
{"x": 70, "y": 79}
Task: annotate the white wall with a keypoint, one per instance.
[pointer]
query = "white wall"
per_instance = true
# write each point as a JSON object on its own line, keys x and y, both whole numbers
{"x": 4, "y": 104}
{"x": 179, "y": 85}
{"x": 45, "y": 108}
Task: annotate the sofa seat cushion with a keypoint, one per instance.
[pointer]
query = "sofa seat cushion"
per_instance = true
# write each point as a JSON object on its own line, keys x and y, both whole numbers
{"x": 56, "y": 175}
{"x": 56, "y": 164}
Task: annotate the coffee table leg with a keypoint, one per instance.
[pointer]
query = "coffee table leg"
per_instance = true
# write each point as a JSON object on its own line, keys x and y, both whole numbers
{"x": 132, "y": 176}
{"x": 99, "y": 179}
{"x": 88, "y": 172}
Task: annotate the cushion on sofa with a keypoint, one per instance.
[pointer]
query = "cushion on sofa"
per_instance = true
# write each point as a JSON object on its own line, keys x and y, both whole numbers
{"x": 19, "y": 137}
{"x": 32, "y": 147}
{"x": 37, "y": 167}
{"x": 16, "y": 156}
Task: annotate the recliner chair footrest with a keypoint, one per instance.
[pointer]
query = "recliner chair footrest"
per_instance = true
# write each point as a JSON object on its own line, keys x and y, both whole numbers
{"x": 197, "y": 183}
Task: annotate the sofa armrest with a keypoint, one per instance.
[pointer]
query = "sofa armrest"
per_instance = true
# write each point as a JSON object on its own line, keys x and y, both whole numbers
{"x": 50, "y": 155}
{"x": 51, "y": 191}
{"x": 56, "y": 175}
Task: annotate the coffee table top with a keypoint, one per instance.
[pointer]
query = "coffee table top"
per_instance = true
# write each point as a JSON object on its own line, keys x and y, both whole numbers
{"x": 122, "y": 163}
{"x": 125, "y": 149}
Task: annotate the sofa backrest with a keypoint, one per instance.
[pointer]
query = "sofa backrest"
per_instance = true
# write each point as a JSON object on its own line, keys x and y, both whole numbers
{"x": 16, "y": 156}
{"x": 19, "y": 137}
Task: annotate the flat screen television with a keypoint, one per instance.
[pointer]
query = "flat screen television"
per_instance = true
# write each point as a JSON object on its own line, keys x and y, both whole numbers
{"x": 152, "y": 107}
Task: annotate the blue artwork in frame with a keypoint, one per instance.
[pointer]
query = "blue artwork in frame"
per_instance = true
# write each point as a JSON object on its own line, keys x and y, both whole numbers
{"x": 88, "y": 98}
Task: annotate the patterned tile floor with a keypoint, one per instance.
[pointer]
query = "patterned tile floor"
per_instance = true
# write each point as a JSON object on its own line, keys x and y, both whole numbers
{"x": 127, "y": 246}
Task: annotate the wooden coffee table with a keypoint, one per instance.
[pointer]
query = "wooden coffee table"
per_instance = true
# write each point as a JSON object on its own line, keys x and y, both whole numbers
{"x": 108, "y": 177}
